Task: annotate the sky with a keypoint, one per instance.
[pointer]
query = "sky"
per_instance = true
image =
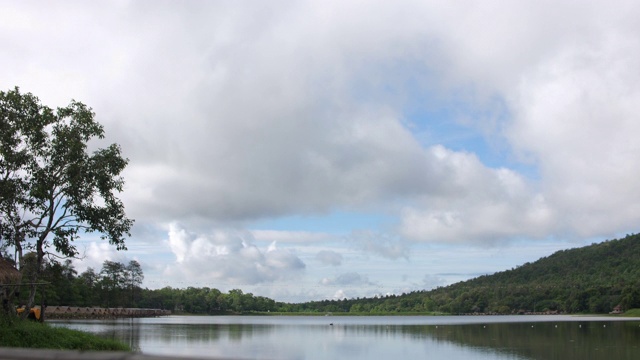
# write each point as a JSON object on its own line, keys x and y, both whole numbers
{"x": 307, "y": 150}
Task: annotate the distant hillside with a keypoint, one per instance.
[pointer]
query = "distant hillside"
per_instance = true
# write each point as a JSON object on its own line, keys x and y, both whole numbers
{"x": 592, "y": 279}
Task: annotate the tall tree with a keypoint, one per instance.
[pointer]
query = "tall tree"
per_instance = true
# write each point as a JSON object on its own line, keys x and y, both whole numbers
{"x": 113, "y": 282}
{"x": 52, "y": 189}
{"x": 135, "y": 276}
{"x": 87, "y": 286}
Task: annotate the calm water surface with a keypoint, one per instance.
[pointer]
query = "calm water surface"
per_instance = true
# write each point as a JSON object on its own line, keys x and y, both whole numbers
{"x": 379, "y": 337}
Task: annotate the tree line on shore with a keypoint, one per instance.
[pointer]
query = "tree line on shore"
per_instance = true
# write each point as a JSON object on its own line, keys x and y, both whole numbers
{"x": 115, "y": 285}
{"x": 592, "y": 279}
{"x": 119, "y": 285}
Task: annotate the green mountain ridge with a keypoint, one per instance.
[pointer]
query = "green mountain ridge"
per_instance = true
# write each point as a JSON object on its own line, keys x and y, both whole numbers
{"x": 594, "y": 278}
{"x": 590, "y": 279}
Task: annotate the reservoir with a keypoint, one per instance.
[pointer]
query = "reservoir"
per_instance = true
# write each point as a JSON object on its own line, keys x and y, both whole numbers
{"x": 375, "y": 337}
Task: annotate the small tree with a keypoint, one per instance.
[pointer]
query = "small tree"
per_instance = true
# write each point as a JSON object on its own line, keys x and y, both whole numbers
{"x": 52, "y": 190}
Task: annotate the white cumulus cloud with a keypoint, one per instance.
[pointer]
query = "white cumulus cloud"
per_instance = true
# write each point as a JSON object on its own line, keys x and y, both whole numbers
{"x": 230, "y": 257}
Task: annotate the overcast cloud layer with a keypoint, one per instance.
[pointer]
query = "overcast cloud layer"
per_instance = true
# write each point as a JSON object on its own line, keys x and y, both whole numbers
{"x": 248, "y": 125}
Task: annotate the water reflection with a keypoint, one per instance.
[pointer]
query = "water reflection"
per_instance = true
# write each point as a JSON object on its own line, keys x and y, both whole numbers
{"x": 375, "y": 337}
{"x": 559, "y": 340}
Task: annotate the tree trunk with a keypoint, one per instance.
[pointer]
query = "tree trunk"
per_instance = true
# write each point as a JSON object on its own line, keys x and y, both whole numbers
{"x": 20, "y": 263}
{"x": 42, "y": 307}
{"x": 18, "y": 255}
{"x": 35, "y": 275}
{"x": 5, "y": 294}
{"x": 31, "y": 300}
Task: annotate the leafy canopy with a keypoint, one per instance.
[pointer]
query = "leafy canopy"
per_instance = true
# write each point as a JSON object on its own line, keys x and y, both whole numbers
{"x": 52, "y": 189}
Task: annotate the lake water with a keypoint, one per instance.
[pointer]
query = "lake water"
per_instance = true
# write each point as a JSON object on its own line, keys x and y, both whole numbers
{"x": 376, "y": 337}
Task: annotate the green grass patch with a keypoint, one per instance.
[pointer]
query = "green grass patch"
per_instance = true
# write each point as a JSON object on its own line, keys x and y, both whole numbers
{"x": 632, "y": 313}
{"x": 15, "y": 332}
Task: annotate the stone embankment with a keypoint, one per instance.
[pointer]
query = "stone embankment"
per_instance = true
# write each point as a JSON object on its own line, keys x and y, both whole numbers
{"x": 73, "y": 312}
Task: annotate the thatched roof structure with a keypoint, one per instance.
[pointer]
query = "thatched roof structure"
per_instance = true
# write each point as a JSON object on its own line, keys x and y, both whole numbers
{"x": 8, "y": 273}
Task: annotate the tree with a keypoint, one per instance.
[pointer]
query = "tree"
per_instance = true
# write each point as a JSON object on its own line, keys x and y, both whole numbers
{"x": 134, "y": 276}
{"x": 114, "y": 281}
{"x": 87, "y": 287}
{"x": 52, "y": 190}
{"x": 61, "y": 278}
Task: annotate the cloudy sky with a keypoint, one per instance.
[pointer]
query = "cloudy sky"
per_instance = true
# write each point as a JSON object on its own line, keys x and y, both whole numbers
{"x": 325, "y": 149}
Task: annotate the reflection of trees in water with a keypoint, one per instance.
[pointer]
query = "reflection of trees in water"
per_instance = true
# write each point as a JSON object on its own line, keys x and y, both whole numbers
{"x": 543, "y": 340}
{"x": 135, "y": 333}
{"x": 126, "y": 332}
{"x": 547, "y": 340}
{"x": 169, "y": 333}
{"x": 539, "y": 340}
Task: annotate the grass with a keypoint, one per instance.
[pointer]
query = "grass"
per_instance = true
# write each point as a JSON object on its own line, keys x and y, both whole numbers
{"x": 15, "y": 332}
{"x": 632, "y": 313}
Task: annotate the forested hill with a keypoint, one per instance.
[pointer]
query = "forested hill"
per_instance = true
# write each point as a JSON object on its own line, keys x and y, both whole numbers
{"x": 592, "y": 279}
{"x": 614, "y": 262}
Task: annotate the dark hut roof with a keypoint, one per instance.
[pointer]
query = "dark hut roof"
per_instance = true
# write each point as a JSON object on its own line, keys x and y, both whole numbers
{"x": 8, "y": 273}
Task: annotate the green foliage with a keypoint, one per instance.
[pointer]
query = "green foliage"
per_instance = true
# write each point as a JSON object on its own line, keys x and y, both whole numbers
{"x": 206, "y": 301}
{"x": 632, "y": 313}
{"x": 16, "y": 332}
{"x": 52, "y": 190}
{"x": 116, "y": 285}
{"x": 592, "y": 279}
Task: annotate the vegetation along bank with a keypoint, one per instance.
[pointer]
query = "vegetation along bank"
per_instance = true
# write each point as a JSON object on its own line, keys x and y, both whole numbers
{"x": 593, "y": 279}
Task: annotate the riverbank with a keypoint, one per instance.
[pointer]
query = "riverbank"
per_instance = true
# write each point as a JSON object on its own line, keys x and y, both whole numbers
{"x": 42, "y": 354}
{"x": 19, "y": 333}
{"x": 350, "y": 313}
{"x": 628, "y": 313}
{"x": 632, "y": 313}
{"x": 74, "y": 312}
